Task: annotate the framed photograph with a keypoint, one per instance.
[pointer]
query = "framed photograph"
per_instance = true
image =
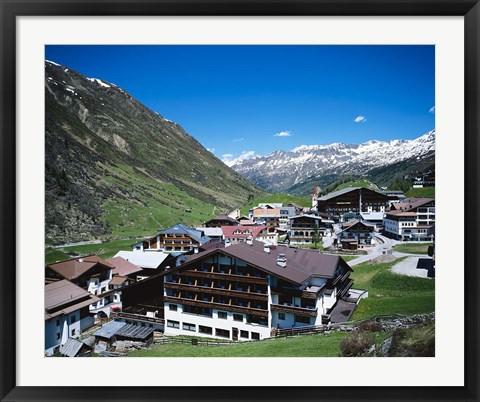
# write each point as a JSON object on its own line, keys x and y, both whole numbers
{"x": 162, "y": 129}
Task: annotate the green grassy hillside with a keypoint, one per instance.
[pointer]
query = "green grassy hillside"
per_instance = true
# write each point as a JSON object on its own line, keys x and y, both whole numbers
{"x": 113, "y": 167}
{"x": 390, "y": 293}
{"x": 428, "y": 192}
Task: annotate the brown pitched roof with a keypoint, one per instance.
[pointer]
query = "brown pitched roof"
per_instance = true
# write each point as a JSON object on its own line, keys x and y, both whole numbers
{"x": 76, "y": 267}
{"x": 301, "y": 264}
{"x": 118, "y": 280}
{"x": 411, "y": 203}
{"x": 123, "y": 266}
{"x": 63, "y": 297}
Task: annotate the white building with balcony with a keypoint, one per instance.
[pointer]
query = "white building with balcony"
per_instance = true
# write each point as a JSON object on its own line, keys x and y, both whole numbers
{"x": 243, "y": 291}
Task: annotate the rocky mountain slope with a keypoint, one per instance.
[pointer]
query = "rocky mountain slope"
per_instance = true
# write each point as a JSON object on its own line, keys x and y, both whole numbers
{"x": 280, "y": 170}
{"x": 114, "y": 166}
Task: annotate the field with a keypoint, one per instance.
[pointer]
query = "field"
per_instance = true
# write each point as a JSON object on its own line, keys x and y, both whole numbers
{"x": 389, "y": 293}
{"x": 412, "y": 248}
{"x": 428, "y": 192}
{"x": 357, "y": 183}
{"x": 300, "y": 346}
{"x": 103, "y": 250}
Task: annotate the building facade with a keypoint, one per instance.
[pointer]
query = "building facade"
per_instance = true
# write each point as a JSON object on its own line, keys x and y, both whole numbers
{"x": 411, "y": 220}
{"x": 67, "y": 313}
{"x": 243, "y": 291}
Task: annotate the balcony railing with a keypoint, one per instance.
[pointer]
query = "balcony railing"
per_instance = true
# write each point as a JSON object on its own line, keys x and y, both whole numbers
{"x": 215, "y": 290}
{"x": 305, "y": 311}
{"x": 220, "y": 306}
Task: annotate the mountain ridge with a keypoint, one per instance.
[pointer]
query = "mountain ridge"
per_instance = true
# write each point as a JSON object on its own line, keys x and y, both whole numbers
{"x": 282, "y": 170}
{"x": 115, "y": 167}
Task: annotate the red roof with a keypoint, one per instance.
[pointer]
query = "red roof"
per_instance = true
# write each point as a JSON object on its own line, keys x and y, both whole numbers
{"x": 241, "y": 232}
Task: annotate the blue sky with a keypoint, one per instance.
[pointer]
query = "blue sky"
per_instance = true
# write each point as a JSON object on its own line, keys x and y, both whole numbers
{"x": 256, "y": 99}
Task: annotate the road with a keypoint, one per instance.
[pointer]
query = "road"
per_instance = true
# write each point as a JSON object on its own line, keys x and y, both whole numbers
{"x": 382, "y": 245}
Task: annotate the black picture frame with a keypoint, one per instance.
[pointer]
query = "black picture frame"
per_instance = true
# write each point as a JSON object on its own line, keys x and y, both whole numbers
{"x": 470, "y": 10}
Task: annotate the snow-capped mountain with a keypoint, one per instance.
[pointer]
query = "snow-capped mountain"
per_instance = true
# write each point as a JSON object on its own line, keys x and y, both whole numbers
{"x": 281, "y": 170}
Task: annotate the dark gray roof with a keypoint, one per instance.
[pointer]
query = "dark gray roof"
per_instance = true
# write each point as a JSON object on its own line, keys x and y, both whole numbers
{"x": 301, "y": 264}
{"x": 109, "y": 329}
{"x": 346, "y": 190}
{"x": 71, "y": 347}
{"x": 90, "y": 341}
{"x": 135, "y": 332}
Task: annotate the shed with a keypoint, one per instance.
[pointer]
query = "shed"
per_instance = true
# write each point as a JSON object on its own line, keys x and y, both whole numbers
{"x": 105, "y": 336}
{"x": 74, "y": 348}
{"x": 136, "y": 333}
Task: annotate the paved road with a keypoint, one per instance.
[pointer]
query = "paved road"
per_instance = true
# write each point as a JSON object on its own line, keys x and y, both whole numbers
{"x": 382, "y": 243}
{"x": 409, "y": 267}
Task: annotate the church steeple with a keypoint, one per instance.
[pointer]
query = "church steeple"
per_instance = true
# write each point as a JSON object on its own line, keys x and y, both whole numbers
{"x": 314, "y": 198}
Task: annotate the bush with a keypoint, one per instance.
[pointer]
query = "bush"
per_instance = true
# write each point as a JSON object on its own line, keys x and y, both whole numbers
{"x": 369, "y": 326}
{"x": 356, "y": 343}
{"x": 418, "y": 341}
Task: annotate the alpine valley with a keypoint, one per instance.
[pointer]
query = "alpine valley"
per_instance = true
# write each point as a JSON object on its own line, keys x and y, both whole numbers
{"x": 297, "y": 170}
{"x": 114, "y": 167}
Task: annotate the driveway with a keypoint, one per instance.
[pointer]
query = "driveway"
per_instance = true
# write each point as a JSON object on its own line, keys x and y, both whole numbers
{"x": 410, "y": 266}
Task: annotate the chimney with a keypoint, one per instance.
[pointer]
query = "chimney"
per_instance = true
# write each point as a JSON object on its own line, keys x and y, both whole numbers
{"x": 250, "y": 240}
{"x": 195, "y": 250}
{"x": 227, "y": 243}
{"x": 266, "y": 248}
{"x": 80, "y": 260}
{"x": 282, "y": 260}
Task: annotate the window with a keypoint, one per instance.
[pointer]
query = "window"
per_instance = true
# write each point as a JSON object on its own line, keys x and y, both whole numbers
{"x": 244, "y": 334}
{"x": 73, "y": 319}
{"x": 73, "y": 332}
{"x": 172, "y": 307}
{"x": 58, "y": 323}
{"x": 304, "y": 320}
{"x": 223, "y": 333}
{"x": 222, "y": 315}
{"x": 238, "y": 317}
{"x": 189, "y": 327}
{"x": 58, "y": 336}
{"x": 281, "y": 316}
{"x": 255, "y": 336}
{"x": 205, "y": 330}
{"x": 173, "y": 324}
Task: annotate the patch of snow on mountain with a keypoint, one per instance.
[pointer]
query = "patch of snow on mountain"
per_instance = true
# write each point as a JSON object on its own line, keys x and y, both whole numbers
{"x": 52, "y": 62}
{"x": 99, "y": 82}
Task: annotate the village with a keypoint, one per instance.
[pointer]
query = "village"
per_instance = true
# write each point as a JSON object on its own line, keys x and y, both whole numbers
{"x": 238, "y": 278}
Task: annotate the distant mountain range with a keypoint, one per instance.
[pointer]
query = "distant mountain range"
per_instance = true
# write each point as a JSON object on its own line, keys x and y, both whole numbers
{"x": 114, "y": 166}
{"x": 283, "y": 171}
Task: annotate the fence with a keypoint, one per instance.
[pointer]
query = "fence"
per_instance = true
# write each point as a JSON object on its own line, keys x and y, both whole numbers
{"x": 192, "y": 341}
{"x": 350, "y": 325}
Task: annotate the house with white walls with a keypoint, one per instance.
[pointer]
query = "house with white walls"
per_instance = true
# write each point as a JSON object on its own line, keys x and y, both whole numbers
{"x": 412, "y": 219}
{"x": 243, "y": 291}
{"x": 67, "y": 313}
{"x": 91, "y": 273}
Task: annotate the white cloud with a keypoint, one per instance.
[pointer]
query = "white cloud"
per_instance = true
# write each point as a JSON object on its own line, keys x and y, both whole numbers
{"x": 229, "y": 160}
{"x": 238, "y": 140}
{"x": 283, "y": 134}
{"x": 360, "y": 119}
{"x": 212, "y": 150}
{"x": 432, "y": 110}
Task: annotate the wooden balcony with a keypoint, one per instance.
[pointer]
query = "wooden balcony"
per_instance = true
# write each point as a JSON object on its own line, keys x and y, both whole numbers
{"x": 217, "y": 291}
{"x": 294, "y": 292}
{"x": 310, "y": 312}
{"x": 137, "y": 317}
{"x": 226, "y": 276}
{"x": 219, "y": 306}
